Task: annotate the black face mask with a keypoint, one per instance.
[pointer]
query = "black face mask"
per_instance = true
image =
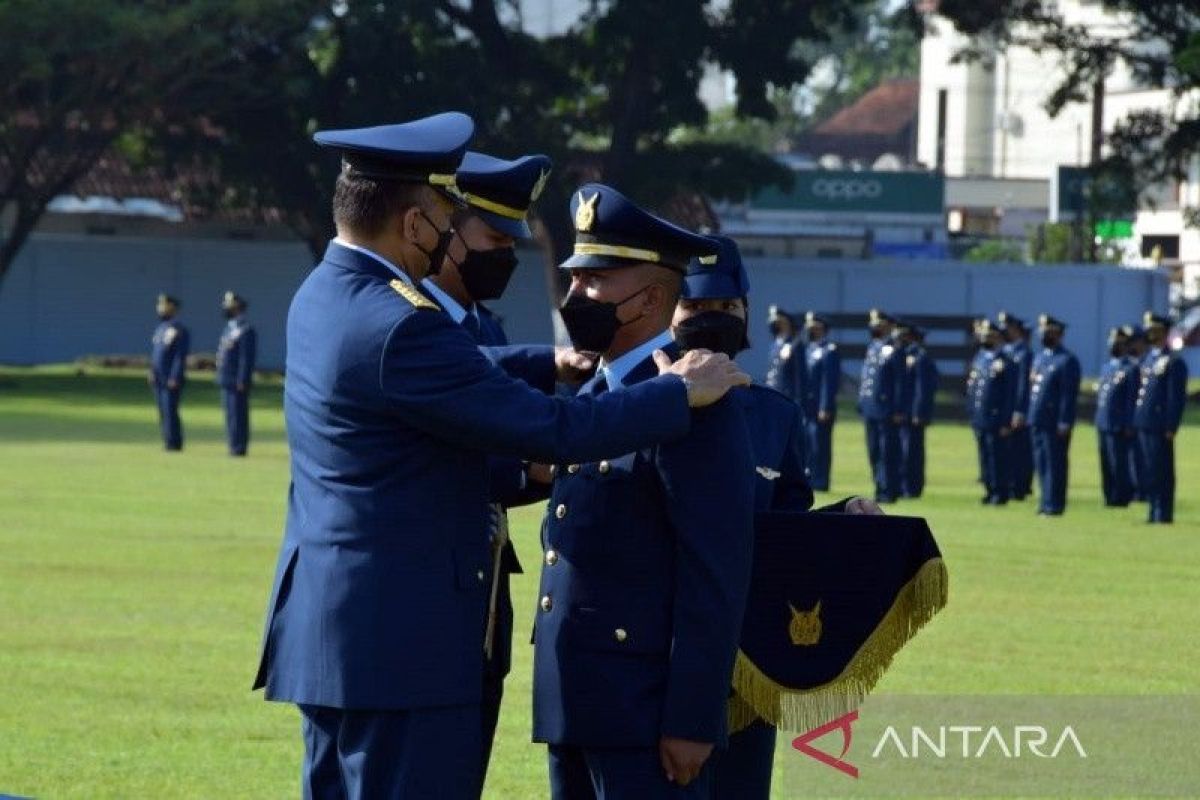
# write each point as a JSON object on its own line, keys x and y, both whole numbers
{"x": 438, "y": 254}
{"x": 712, "y": 330}
{"x": 229, "y": 313}
{"x": 486, "y": 273}
{"x": 1049, "y": 340}
{"x": 592, "y": 324}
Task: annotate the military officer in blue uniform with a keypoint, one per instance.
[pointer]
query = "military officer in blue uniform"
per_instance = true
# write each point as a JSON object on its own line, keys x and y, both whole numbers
{"x": 785, "y": 372}
{"x": 1137, "y": 348}
{"x": 647, "y": 555}
{"x": 991, "y": 413}
{"x": 1115, "y": 394}
{"x": 498, "y": 195}
{"x": 1016, "y": 334}
{"x": 823, "y": 368}
{"x": 1053, "y": 393}
{"x": 921, "y": 385}
{"x": 376, "y": 613}
{"x": 168, "y": 369}
{"x": 880, "y": 396}
{"x": 1157, "y": 415}
{"x": 236, "y": 354}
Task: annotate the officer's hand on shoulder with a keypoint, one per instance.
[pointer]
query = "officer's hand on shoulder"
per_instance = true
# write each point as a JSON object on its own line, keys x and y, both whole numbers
{"x": 572, "y": 366}
{"x": 681, "y": 759}
{"x": 863, "y": 505}
{"x": 539, "y": 473}
{"x": 707, "y": 375}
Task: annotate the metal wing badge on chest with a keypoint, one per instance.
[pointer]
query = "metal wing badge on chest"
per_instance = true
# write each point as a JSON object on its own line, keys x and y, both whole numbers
{"x": 768, "y": 473}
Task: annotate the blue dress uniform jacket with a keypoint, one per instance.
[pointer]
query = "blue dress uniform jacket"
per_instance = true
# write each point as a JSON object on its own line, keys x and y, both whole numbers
{"x": 785, "y": 373}
{"x": 1115, "y": 395}
{"x": 1158, "y": 411}
{"x": 991, "y": 410}
{"x": 921, "y": 386}
{"x": 1052, "y": 396}
{"x": 823, "y": 365}
{"x": 236, "y": 355}
{"x": 168, "y": 362}
{"x": 880, "y": 398}
{"x": 1021, "y": 439}
{"x": 379, "y": 592}
{"x": 647, "y": 566}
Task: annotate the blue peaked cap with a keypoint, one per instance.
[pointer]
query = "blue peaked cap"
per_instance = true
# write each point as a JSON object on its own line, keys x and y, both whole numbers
{"x": 426, "y": 150}
{"x": 611, "y": 231}
{"x": 724, "y": 276}
{"x": 501, "y": 192}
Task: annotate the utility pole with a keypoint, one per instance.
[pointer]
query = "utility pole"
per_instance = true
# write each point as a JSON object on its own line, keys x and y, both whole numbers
{"x": 1097, "y": 144}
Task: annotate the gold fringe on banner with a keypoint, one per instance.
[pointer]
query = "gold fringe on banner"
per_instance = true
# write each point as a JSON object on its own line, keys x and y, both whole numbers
{"x": 804, "y": 709}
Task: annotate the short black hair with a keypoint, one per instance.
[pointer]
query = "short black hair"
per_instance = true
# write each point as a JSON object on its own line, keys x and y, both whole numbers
{"x": 364, "y": 205}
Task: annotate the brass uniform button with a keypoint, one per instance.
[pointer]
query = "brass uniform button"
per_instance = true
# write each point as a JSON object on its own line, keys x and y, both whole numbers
{"x": 604, "y": 467}
{"x": 573, "y": 468}
{"x": 561, "y": 511}
{"x": 554, "y": 470}
{"x": 620, "y": 635}
{"x": 551, "y": 558}
{"x": 547, "y": 603}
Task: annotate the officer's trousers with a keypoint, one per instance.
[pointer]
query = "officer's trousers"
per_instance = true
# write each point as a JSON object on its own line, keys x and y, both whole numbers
{"x": 168, "y": 417}
{"x": 1158, "y": 473}
{"x": 1115, "y": 480}
{"x": 995, "y": 456}
{"x": 1021, "y": 451}
{"x": 397, "y": 755}
{"x": 883, "y": 450}
{"x": 743, "y": 772}
{"x": 237, "y": 420}
{"x": 496, "y": 668}
{"x": 912, "y": 441}
{"x": 1050, "y": 459}
{"x": 1135, "y": 468}
{"x": 619, "y": 773}
{"x": 819, "y": 453}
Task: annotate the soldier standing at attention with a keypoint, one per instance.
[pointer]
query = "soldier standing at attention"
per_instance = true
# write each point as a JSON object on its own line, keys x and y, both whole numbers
{"x": 991, "y": 413}
{"x": 236, "y": 355}
{"x": 1115, "y": 394}
{"x": 921, "y": 384}
{"x": 647, "y": 554}
{"x": 168, "y": 369}
{"x": 499, "y": 195}
{"x": 1021, "y": 439}
{"x": 880, "y": 403}
{"x": 1052, "y": 399}
{"x": 1137, "y": 353}
{"x": 374, "y": 622}
{"x": 785, "y": 374}
{"x": 824, "y": 377}
{"x": 1158, "y": 415}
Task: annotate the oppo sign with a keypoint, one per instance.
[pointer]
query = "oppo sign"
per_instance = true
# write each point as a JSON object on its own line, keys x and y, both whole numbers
{"x": 847, "y": 188}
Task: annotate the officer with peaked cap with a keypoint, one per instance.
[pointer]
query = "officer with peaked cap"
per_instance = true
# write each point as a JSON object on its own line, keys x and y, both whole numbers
{"x": 823, "y": 372}
{"x": 712, "y": 314}
{"x": 991, "y": 413}
{"x": 785, "y": 371}
{"x": 168, "y": 369}
{"x": 1116, "y": 391}
{"x": 921, "y": 384}
{"x": 375, "y": 618}
{"x": 236, "y": 354}
{"x": 1138, "y": 348}
{"x": 498, "y": 195}
{"x": 1053, "y": 394}
{"x": 1157, "y": 416}
{"x": 1021, "y": 439}
{"x": 880, "y": 394}
{"x": 647, "y": 554}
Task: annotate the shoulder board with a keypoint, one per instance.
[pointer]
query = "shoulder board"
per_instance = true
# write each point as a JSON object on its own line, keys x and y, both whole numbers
{"x": 412, "y": 295}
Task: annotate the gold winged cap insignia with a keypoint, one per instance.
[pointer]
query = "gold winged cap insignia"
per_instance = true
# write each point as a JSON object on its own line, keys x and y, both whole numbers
{"x": 585, "y": 215}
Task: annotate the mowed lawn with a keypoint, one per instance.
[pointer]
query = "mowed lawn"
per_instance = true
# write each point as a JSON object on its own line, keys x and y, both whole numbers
{"x": 133, "y": 584}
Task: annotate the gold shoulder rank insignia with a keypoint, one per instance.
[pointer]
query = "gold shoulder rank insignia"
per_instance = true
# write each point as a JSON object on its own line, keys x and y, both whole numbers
{"x": 768, "y": 473}
{"x": 1160, "y": 366}
{"x": 540, "y": 186}
{"x": 805, "y": 627}
{"x": 585, "y": 215}
{"x": 412, "y": 295}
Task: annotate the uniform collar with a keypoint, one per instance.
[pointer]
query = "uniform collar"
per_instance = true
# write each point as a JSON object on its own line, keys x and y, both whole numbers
{"x": 369, "y": 253}
{"x": 451, "y": 306}
{"x": 618, "y": 370}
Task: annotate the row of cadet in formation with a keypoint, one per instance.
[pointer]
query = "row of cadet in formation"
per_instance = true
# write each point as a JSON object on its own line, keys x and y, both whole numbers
{"x": 412, "y": 429}
{"x": 237, "y": 351}
{"x": 1020, "y": 405}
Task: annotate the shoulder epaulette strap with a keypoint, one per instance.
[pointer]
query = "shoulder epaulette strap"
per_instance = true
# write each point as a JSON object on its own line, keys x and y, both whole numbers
{"x": 412, "y": 295}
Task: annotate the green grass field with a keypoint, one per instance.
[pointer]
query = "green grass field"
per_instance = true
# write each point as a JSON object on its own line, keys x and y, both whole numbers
{"x": 133, "y": 583}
